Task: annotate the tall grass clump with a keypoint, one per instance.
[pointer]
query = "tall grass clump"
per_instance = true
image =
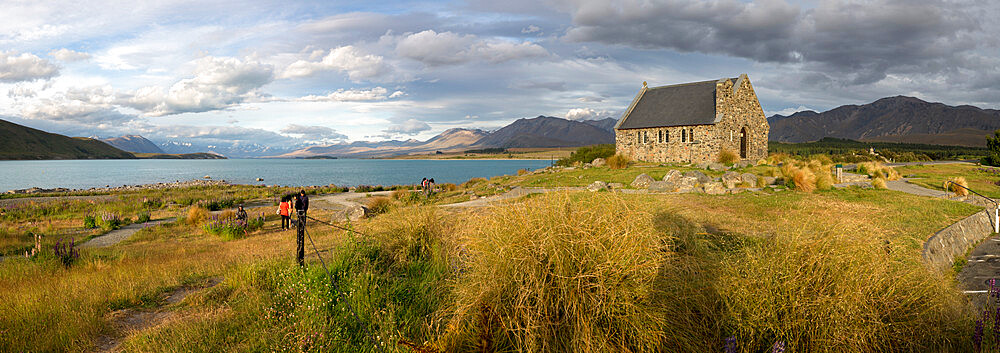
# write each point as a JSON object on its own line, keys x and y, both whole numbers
{"x": 379, "y": 205}
{"x": 553, "y": 274}
{"x": 959, "y": 191}
{"x": 839, "y": 293}
{"x": 880, "y": 183}
{"x": 618, "y": 161}
{"x": 801, "y": 178}
{"x": 473, "y": 182}
{"x": 727, "y": 156}
{"x": 587, "y": 154}
{"x": 196, "y": 215}
{"x": 877, "y": 169}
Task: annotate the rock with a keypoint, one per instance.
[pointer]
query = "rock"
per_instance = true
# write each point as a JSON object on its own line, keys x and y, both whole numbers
{"x": 701, "y": 177}
{"x": 352, "y": 213}
{"x": 642, "y": 181}
{"x": 260, "y": 179}
{"x": 714, "y": 188}
{"x": 662, "y": 186}
{"x": 717, "y": 166}
{"x": 687, "y": 184}
{"x": 597, "y": 186}
{"x": 769, "y": 181}
{"x": 730, "y": 179}
{"x": 750, "y": 179}
{"x": 673, "y": 176}
{"x": 598, "y": 162}
{"x": 616, "y": 185}
{"x": 207, "y": 177}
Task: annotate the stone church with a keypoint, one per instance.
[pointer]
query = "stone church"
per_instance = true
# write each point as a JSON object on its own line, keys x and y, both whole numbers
{"x": 693, "y": 122}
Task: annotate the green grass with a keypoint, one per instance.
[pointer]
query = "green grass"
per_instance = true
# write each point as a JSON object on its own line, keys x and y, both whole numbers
{"x": 934, "y": 176}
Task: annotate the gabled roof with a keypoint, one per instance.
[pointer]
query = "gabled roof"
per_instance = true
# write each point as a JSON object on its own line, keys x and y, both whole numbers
{"x": 675, "y": 105}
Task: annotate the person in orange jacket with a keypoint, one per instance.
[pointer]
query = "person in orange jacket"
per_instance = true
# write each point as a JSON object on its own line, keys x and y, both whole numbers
{"x": 284, "y": 212}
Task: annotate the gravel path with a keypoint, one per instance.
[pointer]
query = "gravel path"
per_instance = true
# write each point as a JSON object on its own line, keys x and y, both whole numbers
{"x": 116, "y": 236}
{"x": 905, "y": 186}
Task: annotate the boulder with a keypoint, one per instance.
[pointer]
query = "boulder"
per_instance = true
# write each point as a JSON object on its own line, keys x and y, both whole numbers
{"x": 598, "y": 162}
{"x": 662, "y": 186}
{"x": 673, "y": 176}
{"x": 701, "y": 177}
{"x": 642, "y": 181}
{"x": 597, "y": 186}
{"x": 750, "y": 179}
{"x": 687, "y": 184}
{"x": 616, "y": 185}
{"x": 769, "y": 181}
{"x": 714, "y": 188}
{"x": 351, "y": 213}
{"x": 731, "y": 179}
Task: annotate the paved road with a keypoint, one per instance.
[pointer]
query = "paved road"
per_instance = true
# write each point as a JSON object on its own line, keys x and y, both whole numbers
{"x": 116, "y": 236}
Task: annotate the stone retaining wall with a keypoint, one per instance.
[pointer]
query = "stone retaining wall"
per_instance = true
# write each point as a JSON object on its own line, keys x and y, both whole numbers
{"x": 941, "y": 250}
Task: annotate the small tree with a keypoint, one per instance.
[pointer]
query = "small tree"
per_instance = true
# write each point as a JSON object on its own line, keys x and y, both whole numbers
{"x": 993, "y": 144}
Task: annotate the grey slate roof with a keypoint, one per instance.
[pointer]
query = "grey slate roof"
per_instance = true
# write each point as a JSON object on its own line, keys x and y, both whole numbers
{"x": 675, "y": 105}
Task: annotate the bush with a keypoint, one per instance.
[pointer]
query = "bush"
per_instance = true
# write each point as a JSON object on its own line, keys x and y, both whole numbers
{"x": 587, "y": 154}
{"x": 727, "y": 156}
{"x": 110, "y": 221}
{"x": 89, "y": 221}
{"x": 196, "y": 215}
{"x": 880, "y": 183}
{"x": 618, "y": 162}
{"x": 522, "y": 171}
{"x": 143, "y": 217}
{"x": 229, "y": 228}
{"x": 379, "y": 205}
{"x": 877, "y": 169}
{"x": 949, "y": 185}
{"x": 473, "y": 182}
{"x": 548, "y": 275}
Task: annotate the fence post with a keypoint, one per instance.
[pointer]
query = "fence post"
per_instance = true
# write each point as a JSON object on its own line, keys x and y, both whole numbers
{"x": 996, "y": 219}
{"x": 300, "y": 240}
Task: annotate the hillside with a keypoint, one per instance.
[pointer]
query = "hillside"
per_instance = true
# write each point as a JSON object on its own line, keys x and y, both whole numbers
{"x": 133, "y": 143}
{"x": 541, "y": 131}
{"x": 22, "y": 142}
{"x": 892, "y": 119}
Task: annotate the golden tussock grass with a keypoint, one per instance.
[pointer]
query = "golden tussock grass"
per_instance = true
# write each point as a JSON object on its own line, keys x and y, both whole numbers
{"x": 877, "y": 169}
{"x": 880, "y": 183}
{"x": 802, "y": 177}
{"x": 777, "y": 158}
{"x": 959, "y": 191}
{"x": 727, "y": 156}
{"x": 618, "y": 162}
{"x": 522, "y": 171}
{"x": 196, "y": 215}
{"x": 379, "y": 204}
{"x": 473, "y": 182}
{"x": 553, "y": 274}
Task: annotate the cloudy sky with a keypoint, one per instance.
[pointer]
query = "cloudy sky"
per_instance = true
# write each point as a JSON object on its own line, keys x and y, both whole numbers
{"x": 281, "y": 73}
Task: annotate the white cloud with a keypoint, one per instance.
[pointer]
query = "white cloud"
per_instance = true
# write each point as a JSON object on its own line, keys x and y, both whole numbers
{"x": 409, "y": 127}
{"x": 219, "y": 83}
{"x": 432, "y": 48}
{"x": 314, "y": 133}
{"x": 354, "y": 95}
{"x": 67, "y": 55}
{"x": 357, "y": 64}
{"x": 530, "y": 29}
{"x": 789, "y": 111}
{"x": 586, "y": 114}
{"x": 25, "y": 67}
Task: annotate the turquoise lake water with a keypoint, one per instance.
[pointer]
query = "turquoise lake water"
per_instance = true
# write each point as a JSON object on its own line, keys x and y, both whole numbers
{"x": 81, "y": 174}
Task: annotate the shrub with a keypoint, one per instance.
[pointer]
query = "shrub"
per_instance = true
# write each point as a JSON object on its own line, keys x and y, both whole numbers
{"x": 230, "y": 228}
{"x": 448, "y": 187}
{"x": 727, "y": 156}
{"x": 473, "y": 182}
{"x": 548, "y": 275}
{"x": 880, "y": 183}
{"x": 618, "y": 162}
{"x": 522, "y": 171}
{"x": 587, "y": 154}
{"x": 110, "y": 221}
{"x": 379, "y": 205}
{"x": 196, "y": 215}
{"x": 89, "y": 221}
{"x": 949, "y": 185}
{"x": 143, "y": 217}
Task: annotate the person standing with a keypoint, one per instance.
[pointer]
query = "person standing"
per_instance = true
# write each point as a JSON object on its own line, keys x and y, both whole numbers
{"x": 423, "y": 187}
{"x": 301, "y": 206}
{"x": 283, "y": 212}
{"x": 241, "y": 215}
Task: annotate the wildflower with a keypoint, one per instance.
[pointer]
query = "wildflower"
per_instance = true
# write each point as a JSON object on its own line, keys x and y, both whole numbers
{"x": 977, "y": 337}
{"x": 778, "y": 347}
{"x": 730, "y": 346}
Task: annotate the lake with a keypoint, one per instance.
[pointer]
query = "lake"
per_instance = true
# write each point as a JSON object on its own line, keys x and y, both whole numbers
{"x": 82, "y": 174}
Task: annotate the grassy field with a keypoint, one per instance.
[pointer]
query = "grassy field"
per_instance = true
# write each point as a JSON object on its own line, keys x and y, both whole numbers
{"x": 828, "y": 271}
{"x": 981, "y": 179}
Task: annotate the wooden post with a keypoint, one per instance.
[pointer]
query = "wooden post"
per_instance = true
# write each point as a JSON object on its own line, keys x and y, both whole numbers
{"x": 300, "y": 238}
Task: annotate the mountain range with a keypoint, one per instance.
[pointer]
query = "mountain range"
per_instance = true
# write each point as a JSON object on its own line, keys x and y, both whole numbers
{"x": 133, "y": 143}
{"x": 541, "y": 131}
{"x": 22, "y": 142}
{"x": 891, "y": 119}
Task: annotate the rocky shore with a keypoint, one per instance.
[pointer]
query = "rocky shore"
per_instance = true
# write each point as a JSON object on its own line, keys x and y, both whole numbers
{"x": 108, "y": 188}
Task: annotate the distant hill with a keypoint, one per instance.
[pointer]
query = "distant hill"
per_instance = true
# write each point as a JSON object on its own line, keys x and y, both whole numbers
{"x": 133, "y": 143}
{"x": 22, "y": 142}
{"x": 200, "y": 155}
{"x": 892, "y": 119}
{"x": 547, "y": 131}
{"x": 541, "y": 131}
